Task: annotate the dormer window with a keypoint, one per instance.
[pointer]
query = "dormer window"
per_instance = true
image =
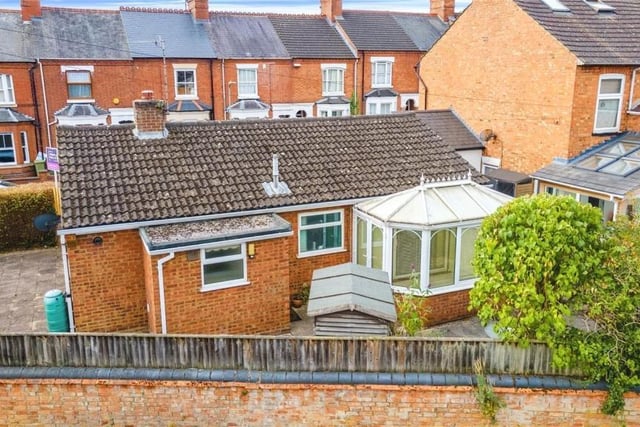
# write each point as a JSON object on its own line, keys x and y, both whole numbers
{"x": 7, "y": 96}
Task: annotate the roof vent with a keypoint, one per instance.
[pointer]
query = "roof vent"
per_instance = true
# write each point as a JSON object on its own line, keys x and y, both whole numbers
{"x": 276, "y": 187}
{"x": 599, "y": 6}
{"x": 556, "y": 5}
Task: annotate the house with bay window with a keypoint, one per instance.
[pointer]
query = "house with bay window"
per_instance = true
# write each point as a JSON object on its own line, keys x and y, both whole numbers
{"x": 553, "y": 79}
{"x": 210, "y": 227}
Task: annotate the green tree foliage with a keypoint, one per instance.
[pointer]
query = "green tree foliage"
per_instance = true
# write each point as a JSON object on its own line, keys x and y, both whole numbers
{"x": 541, "y": 260}
{"x": 534, "y": 257}
{"x": 608, "y": 347}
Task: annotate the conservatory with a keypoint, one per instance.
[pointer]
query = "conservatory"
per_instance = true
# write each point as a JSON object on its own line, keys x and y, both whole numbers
{"x": 424, "y": 237}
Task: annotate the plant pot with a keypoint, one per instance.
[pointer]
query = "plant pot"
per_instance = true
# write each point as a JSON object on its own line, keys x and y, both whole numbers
{"x": 296, "y": 302}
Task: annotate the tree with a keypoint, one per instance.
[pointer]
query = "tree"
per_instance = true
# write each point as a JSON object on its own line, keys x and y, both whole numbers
{"x": 534, "y": 258}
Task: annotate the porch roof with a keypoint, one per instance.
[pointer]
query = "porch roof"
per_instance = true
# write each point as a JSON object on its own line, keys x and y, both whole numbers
{"x": 196, "y": 233}
{"x": 435, "y": 203}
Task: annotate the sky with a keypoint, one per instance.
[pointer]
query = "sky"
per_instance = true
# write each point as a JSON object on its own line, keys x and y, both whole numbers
{"x": 278, "y": 6}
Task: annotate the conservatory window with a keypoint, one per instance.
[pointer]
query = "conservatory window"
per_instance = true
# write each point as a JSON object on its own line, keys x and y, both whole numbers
{"x": 442, "y": 258}
{"x": 407, "y": 256}
{"x": 369, "y": 244}
{"x": 467, "y": 243}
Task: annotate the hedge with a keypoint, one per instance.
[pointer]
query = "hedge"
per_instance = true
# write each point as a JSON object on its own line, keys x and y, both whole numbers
{"x": 18, "y": 207}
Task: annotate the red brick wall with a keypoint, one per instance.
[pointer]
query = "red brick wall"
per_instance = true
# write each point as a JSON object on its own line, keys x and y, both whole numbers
{"x": 584, "y": 107}
{"x": 301, "y": 268}
{"x": 447, "y": 307}
{"x": 261, "y": 307}
{"x": 113, "y": 402}
{"x": 107, "y": 282}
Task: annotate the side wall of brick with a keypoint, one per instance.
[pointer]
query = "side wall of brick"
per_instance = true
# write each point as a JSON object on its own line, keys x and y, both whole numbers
{"x": 113, "y": 402}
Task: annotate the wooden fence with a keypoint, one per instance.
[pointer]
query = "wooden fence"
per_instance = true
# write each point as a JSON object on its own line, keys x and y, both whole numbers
{"x": 275, "y": 353}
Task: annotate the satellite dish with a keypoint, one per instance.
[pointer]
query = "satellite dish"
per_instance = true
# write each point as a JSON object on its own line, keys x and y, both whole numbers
{"x": 46, "y": 222}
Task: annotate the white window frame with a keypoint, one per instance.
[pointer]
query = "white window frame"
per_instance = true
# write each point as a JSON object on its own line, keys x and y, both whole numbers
{"x": 247, "y": 95}
{"x": 185, "y": 68}
{"x": 24, "y": 145}
{"x": 90, "y": 84}
{"x": 326, "y": 68}
{"x": 388, "y": 74}
{"x": 374, "y": 104}
{"x": 326, "y": 110}
{"x": 302, "y": 228}
{"x": 7, "y": 90}
{"x": 229, "y": 283}
{"x": 608, "y": 96}
{"x": 13, "y": 147}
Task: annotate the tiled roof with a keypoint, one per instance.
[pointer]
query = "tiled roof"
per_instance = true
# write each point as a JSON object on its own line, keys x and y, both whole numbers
{"x": 310, "y": 37}
{"x": 78, "y": 34}
{"x": 9, "y": 115}
{"x": 387, "y": 31}
{"x": 108, "y": 176}
{"x": 571, "y": 174}
{"x": 14, "y": 46}
{"x": 245, "y": 36}
{"x": 183, "y": 36}
{"x": 596, "y": 38}
{"x": 451, "y": 128}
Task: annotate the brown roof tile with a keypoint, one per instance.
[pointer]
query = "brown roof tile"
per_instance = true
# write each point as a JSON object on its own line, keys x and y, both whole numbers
{"x": 108, "y": 176}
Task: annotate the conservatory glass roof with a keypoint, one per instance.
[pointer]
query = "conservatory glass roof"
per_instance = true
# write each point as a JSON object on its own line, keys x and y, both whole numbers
{"x": 435, "y": 203}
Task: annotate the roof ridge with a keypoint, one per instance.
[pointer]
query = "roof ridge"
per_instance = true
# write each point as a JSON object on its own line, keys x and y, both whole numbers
{"x": 78, "y": 10}
{"x": 152, "y": 10}
{"x": 264, "y": 14}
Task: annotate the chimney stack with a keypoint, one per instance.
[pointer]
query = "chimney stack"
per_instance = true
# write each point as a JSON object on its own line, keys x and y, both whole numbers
{"x": 199, "y": 9}
{"x": 331, "y": 9}
{"x": 445, "y": 9}
{"x": 30, "y": 9}
{"x": 149, "y": 116}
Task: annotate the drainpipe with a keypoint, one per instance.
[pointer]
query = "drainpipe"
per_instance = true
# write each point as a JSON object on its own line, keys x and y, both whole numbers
{"x": 46, "y": 104}
{"x": 355, "y": 85}
{"x": 36, "y": 107}
{"x": 163, "y": 312}
{"x": 363, "y": 108}
{"x": 213, "y": 104}
{"x": 224, "y": 93}
{"x": 633, "y": 83}
{"x": 416, "y": 69}
{"x": 67, "y": 282}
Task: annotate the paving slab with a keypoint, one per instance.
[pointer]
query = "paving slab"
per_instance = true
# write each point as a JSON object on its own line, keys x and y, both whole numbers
{"x": 25, "y": 277}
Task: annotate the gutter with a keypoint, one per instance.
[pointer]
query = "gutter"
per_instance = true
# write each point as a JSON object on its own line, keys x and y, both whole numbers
{"x": 163, "y": 311}
{"x": 547, "y": 382}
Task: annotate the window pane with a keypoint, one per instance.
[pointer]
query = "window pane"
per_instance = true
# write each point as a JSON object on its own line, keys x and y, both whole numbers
{"x": 467, "y": 241}
{"x": 610, "y": 86}
{"x": 223, "y": 272}
{"x": 79, "y": 91}
{"x": 406, "y": 257}
{"x": 7, "y": 155}
{"x": 320, "y": 218}
{"x": 361, "y": 240}
{"x": 321, "y": 238}
{"x": 247, "y": 82}
{"x": 185, "y": 83}
{"x": 221, "y": 252}
{"x": 6, "y": 89}
{"x": 78, "y": 77}
{"x": 376, "y": 249}
{"x": 442, "y": 258}
{"x": 607, "y": 115}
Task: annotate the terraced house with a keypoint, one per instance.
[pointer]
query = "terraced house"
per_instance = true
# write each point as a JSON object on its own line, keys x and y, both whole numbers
{"x": 85, "y": 67}
{"x": 542, "y": 80}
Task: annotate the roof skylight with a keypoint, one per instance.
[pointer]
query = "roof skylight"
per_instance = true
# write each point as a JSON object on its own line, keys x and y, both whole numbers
{"x": 556, "y": 5}
{"x": 599, "y": 6}
{"x": 620, "y": 157}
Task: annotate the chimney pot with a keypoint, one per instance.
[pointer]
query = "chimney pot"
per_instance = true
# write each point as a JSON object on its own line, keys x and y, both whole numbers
{"x": 149, "y": 116}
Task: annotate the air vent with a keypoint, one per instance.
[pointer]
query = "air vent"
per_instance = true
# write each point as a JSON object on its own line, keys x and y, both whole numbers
{"x": 599, "y": 6}
{"x": 556, "y": 5}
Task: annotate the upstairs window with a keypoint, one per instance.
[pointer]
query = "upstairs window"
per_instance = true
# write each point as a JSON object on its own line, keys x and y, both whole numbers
{"x": 79, "y": 84}
{"x": 7, "y": 96}
{"x": 333, "y": 79}
{"x": 247, "y": 81}
{"x": 381, "y": 72}
{"x": 609, "y": 103}
{"x": 185, "y": 83}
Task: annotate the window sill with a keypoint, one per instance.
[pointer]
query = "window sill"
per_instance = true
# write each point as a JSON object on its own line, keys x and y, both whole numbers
{"x": 9, "y": 105}
{"x": 381, "y": 86}
{"x": 321, "y": 252}
{"x": 81, "y": 101}
{"x": 605, "y": 132}
{"x": 333, "y": 94}
{"x": 220, "y": 286}
{"x": 186, "y": 97}
{"x": 463, "y": 286}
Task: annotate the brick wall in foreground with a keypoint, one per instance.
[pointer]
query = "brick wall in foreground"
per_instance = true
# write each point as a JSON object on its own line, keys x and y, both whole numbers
{"x": 119, "y": 402}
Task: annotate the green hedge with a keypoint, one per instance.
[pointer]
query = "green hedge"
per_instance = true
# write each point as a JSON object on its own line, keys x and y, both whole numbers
{"x": 18, "y": 207}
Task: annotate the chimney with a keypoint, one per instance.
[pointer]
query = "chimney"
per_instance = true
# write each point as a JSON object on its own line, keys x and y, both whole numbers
{"x": 149, "y": 116}
{"x": 199, "y": 9}
{"x": 30, "y": 9}
{"x": 445, "y": 9}
{"x": 331, "y": 9}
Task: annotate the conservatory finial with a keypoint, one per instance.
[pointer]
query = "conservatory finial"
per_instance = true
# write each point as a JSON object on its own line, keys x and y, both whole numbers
{"x": 422, "y": 180}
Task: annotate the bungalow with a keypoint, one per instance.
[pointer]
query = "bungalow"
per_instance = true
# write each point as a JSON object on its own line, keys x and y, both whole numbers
{"x": 209, "y": 227}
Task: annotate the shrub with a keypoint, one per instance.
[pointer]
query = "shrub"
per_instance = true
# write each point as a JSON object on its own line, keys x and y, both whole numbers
{"x": 18, "y": 207}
